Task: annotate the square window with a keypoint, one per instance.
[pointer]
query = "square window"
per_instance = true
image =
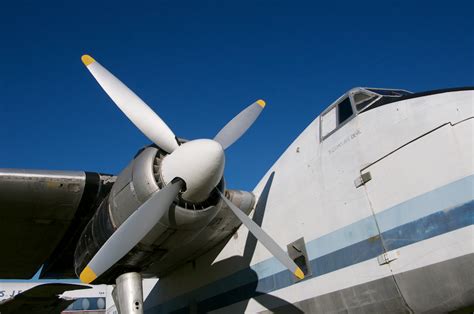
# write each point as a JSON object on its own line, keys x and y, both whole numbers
{"x": 344, "y": 111}
{"x": 328, "y": 122}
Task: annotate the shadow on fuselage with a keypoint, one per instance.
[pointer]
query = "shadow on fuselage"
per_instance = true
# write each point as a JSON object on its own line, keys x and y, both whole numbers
{"x": 248, "y": 280}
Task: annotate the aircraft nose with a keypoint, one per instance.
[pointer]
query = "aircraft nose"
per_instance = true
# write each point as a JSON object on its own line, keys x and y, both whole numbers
{"x": 200, "y": 163}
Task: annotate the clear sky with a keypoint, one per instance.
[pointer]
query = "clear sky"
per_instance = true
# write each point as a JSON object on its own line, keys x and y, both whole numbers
{"x": 198, "y": 63}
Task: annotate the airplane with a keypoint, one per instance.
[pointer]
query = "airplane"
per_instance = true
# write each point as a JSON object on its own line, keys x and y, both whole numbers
{"x": 65, "y": 296}
{"x": 373, "y": 203}
{"x": 50, "y": 297}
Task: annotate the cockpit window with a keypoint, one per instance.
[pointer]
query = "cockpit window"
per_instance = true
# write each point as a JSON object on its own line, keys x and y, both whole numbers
{"x": 335, "y": 116}
{"x": 344, "y": 111}
{"x": 354, "y": 102}
{"x": 389, "y": 92}
{"x": 328, "y": 122}
{"x": 362, "y": 99}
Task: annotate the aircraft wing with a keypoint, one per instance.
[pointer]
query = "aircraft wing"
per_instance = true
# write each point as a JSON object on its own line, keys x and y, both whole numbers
{"x": 40, "y": 299}
{"x": 42, "y": 214}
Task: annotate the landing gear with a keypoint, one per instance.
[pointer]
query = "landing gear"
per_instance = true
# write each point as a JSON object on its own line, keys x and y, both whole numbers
{"x": 128, "y": 294}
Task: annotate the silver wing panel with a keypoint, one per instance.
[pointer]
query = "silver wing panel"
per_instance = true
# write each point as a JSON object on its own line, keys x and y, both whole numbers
{"x": 36, "y": 208}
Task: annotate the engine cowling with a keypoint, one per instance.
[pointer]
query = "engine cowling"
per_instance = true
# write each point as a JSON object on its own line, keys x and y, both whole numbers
{"x": 134, "y": 185}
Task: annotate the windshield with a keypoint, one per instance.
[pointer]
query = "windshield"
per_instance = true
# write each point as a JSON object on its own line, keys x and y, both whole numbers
{"x": 389, "y": 92}
{"x": 362, "y": 99}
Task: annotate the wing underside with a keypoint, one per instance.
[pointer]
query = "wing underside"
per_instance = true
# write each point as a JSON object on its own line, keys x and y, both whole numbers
{"x": 42, "y": 216}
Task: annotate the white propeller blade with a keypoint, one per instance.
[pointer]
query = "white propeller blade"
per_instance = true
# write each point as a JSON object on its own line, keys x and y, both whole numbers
{"x": 132, "y": 231}
{"x": 265, "y": 239}
{"x": 132, "y": 106}
{"x": 233, "y": 130}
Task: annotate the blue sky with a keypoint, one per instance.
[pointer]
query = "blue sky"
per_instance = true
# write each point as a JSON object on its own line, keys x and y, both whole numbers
{"x": 197, "y": 64}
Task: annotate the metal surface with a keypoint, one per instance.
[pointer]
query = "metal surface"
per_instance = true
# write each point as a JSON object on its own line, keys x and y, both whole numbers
{"x": 380, "y": 296}
{"x": 419, "y": 202}
{"x": 36, "y": 208}
{"x": 298, "y": 253}
{"x": 362, "y": 179}
{"x": 128, "y": 294}
{"x": 188, "y": 230}
{"x": 132, "y": 231}
{"x": 441, "y": 287}
{"x": 59, "y": 265}
{"x": 265, "y": 239}
{"x": 200, "y": 163}
{"x": 236, "y": 127}
{"x": 142, "y": 116}
{"x": 219, "y": 229}
{"x": 135, "y": 184}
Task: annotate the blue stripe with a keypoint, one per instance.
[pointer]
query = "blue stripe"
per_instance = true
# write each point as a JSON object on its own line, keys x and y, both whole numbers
{"x": 445, "y": 197}
{"x": 448, "y": 196}
{"x": 324, "y": 258}
{"x": 430, "y": 226}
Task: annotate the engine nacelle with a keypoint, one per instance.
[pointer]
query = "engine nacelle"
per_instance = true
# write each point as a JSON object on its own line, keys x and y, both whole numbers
{"x": 134, "y": 185}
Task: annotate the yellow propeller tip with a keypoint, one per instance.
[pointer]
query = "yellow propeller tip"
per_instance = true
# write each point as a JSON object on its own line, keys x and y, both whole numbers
{"x": 87, "y": 275}
{"x": 299, "y": 273}
{"x": 86, "y": 59}
{"x": 261, "y": 103}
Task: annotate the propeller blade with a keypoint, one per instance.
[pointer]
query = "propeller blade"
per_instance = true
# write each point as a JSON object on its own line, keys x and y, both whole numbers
{"x": 236, "y": 127}
{"x": 132, "y": 231}
{"x": 132, "y": 106}
{"x": 265, "y": 239}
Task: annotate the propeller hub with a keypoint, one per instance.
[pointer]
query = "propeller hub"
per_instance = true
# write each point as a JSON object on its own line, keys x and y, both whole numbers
{"x": 200, "y": 163}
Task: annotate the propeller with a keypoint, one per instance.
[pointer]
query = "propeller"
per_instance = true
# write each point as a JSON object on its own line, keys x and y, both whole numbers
{"x": 128, "y": 234}
{"x": 132, "y": 106}
{"x": 196, "y": 166}
{"x": 264, "y": 238}
{"x": 147, "y": 121}
{"x": 236, "y": 127}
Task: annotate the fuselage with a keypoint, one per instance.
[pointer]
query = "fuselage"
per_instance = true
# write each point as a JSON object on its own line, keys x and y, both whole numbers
{"x": 376, "y": 204}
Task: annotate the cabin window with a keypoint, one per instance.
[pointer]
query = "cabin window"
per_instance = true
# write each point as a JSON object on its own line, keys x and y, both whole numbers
{"x": 328, "y": 122}
{"x": 344, "y": 111}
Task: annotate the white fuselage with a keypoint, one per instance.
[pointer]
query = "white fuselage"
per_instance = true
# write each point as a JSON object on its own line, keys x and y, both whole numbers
{"x": 385, "y": 206}
{"x": 84, "y": 299}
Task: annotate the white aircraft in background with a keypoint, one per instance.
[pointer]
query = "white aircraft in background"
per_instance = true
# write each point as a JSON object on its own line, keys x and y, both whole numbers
{"x": 65, "y": 297}
{"x": 373, "y": 204}
{"x": 50, "y": 297}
